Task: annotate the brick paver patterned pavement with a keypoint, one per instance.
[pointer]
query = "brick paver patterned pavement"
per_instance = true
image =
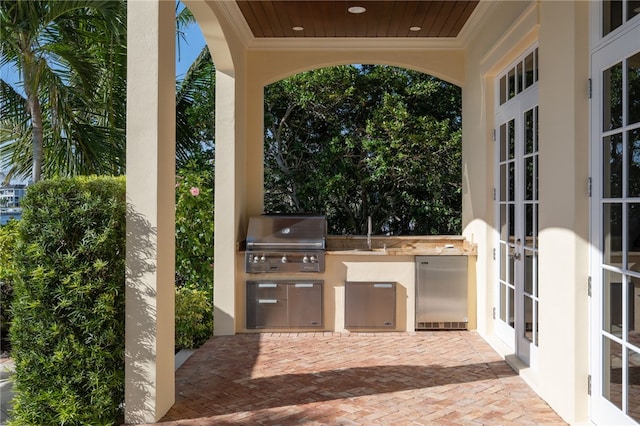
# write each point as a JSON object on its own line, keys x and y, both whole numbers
{"x": 425, "y": 378}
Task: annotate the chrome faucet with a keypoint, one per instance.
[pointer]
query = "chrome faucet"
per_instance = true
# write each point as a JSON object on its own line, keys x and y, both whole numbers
{"x": 369, "y": 233}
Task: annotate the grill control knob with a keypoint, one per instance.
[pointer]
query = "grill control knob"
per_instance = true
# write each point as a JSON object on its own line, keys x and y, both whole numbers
{"x": 313, "y": 259}
{"x": 284, "y": 259}
{"x": 263, "y": 259}
{"x": 305, "y": 259}
{"x": 255, "y": 259}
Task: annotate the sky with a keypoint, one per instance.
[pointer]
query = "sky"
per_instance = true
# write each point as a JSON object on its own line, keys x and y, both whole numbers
{"x": 190, "y": 48}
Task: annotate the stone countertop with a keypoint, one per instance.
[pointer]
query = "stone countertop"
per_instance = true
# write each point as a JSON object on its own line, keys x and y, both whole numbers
{"x": 440, "y": 245}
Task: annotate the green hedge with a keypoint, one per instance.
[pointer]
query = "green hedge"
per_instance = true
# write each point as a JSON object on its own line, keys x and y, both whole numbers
{"x": 8, "y": 240}
{"x": 67, "y": 333}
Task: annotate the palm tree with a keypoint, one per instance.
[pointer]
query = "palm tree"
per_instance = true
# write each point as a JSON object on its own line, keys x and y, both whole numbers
{"x": 195, "y": 100}
{"x": 69, "y": 116}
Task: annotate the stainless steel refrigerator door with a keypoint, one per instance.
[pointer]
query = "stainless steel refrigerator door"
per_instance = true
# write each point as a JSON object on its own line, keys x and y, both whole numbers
{"x": 441, "y": 289}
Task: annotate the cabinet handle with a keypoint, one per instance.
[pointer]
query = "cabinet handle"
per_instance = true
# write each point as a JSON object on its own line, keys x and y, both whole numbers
{"x": 267, "y": 285}
{"x": 382, "y": 286}
{"x": 270, "y": 301}
{"x": 304, "y": 285}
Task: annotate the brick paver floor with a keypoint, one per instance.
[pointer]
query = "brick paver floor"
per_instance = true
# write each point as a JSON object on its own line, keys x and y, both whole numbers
{"x": 425, "y": 378}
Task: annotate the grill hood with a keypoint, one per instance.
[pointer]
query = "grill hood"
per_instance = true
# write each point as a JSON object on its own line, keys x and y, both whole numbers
{"x": 286, "y": 232}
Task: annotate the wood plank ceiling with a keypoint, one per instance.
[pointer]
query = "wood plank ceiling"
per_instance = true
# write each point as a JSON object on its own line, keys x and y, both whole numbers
{"x": 381, "y": 18}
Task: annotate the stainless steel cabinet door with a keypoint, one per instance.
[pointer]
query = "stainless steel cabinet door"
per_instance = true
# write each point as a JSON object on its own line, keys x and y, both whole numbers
{"x": 370, "y": 305}
{"x": 305, "y": 304}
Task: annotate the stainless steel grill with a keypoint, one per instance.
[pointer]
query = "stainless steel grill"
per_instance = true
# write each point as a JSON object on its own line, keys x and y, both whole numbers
{"x": 286, "y": 243}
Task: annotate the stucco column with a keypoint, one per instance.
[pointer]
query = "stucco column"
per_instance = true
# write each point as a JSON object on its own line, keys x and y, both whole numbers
{"x": 228, "y": 174}
{"x": 149, "y": 369}
{"x": 564, "y": 207}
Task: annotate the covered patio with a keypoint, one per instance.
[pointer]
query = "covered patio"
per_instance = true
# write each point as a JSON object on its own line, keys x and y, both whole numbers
{"x": 545, "y": 86}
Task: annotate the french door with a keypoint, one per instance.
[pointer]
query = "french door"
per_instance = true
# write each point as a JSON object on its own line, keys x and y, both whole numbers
{"x": 516, "y": 153}
{"x": 615, "y": 230}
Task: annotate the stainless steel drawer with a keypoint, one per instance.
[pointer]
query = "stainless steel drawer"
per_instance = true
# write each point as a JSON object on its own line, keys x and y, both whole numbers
{"x": 266, "y": 289}
{"x": 284, "y": 304}
{"x": 266, "y": 313}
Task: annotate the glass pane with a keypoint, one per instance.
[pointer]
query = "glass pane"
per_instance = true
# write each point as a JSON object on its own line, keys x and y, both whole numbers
{"x": 512, "y": 183}
{"x": 612, "y": 234}
{"x": 528, "y": 70}
{"x": 503, "y": 223}
{"x": 633, "y": 8}
{"x": 535, "y": 225}
{"x": 536, "y": 62}
{"x": 519, "y": 77}
{"x": 512, "y": 138}
{"x": 512, "y": 219}
{"x": 528, "y": 224}
{"x": 528, "y": 271}
{"x": 612, "y": 371}
{"x": 633, "y": 385}
{"x": 503, "y": 182}
{"x": 536, "y": 178}
{"x": 537, "y": 336}
{"x": 511, "y": 311}
{"x": 535, "y": 126}
{"x": 612, "y": 97}
{"x": 633, "y": 332}
{"x": 633, "y": 184}
{"x": 529, "y": 178}
{"x": 633, "y": 242}
{"x": 503, "y": 89}
{"x": 612, "y": 302}
{"x": 633, "y": 88}
{"x": 611, "y": 15}
{"x": 528, "y": 318}
{"x": 503, "y": 142}
{"x": 512, "y": 266}
{"x": 528, "y": 132}
{"x": 503, "y": 302}
{"x": 612, "y": 166}
{"x": 503, "y": 262}
{"x": 512, "y": 83}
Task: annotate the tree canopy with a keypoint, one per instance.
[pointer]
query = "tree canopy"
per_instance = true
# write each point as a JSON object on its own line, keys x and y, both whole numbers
{"x": 363, "y": 140}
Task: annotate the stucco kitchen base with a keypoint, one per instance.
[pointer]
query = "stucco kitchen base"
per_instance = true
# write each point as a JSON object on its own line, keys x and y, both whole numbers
{"x": 349, "y": 259}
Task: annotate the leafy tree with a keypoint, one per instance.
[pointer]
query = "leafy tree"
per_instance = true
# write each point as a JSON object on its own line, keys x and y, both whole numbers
{"x": 358, "y": 141}
{"x": 194, "y": 251}
{"x": 71, "y": 60}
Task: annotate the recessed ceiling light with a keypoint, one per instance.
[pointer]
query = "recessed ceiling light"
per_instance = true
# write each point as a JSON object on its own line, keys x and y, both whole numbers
{"x": 415, "y": 28}
{"x": 357, "y": 9}
{"x": 297, "y": 28}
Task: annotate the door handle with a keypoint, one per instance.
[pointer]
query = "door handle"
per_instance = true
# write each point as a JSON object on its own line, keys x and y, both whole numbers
{"x": 517, "y": 256}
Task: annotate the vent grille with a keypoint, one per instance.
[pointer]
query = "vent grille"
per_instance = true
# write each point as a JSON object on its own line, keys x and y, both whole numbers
{"x": 449, "y": 325}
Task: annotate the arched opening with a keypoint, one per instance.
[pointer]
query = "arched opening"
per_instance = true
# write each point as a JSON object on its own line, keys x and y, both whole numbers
{"x": 358, "y": 141}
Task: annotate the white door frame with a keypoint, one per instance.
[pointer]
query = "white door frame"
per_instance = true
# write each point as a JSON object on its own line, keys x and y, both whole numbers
{"x": 513, "y": 254}
{"x": 603, "y": 411}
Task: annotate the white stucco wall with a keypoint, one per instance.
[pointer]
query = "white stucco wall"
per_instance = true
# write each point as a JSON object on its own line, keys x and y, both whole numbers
{"x": 560, "y": 376}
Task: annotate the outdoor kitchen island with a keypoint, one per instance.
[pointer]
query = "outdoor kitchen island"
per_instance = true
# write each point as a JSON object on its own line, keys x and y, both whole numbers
{"x": 351, "y": 270}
